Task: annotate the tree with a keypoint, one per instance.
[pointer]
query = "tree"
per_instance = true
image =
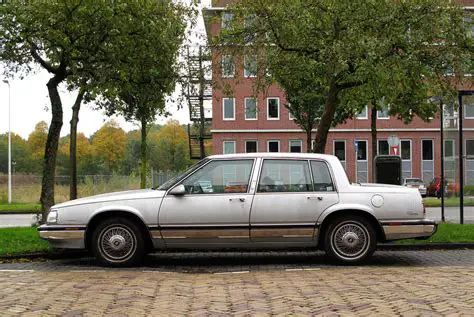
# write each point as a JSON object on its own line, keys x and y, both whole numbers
{"x": 20, "y": 154}
{"x": 109, "y": 145}
{"x": 68, "y": 38}
{"x": 36, "y": 144}
{"x": 344, "y": 42}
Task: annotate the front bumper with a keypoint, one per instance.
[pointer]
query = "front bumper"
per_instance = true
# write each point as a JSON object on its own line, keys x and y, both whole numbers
{"x": 396, "y": 230}
{"x": 63, "y": 237}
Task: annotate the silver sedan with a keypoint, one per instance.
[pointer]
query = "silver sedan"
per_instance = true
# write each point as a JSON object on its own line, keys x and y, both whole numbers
{"x": 243, "y": 201}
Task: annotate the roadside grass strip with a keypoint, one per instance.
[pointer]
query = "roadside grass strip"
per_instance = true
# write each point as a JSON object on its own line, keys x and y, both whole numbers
{"x": 17, "y": 241}
{"x": 19, "y": 208}
{"x": 448, "y": 202}
{"x": 447, "y": 233}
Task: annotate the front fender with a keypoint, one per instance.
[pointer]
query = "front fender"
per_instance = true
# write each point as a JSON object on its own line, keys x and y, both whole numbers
{"x": 119, "y": 208}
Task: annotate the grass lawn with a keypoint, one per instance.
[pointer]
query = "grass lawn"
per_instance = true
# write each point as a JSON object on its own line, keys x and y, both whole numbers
{"x": 19, "y": 208}
{"x": 448, "y": 233}
{"x": 448, "y": 202}
{"x": 15, "y": 241}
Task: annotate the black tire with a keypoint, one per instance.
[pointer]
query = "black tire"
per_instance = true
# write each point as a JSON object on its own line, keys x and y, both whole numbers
{"x": 129, "y": 243}
{"x": 357, "y": 243}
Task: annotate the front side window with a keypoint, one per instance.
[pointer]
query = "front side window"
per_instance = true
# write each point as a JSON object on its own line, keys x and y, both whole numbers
{"x": 284, "y": 176}
{"x": 273, "y": 108}
{"x": 382, "y": 147}
{"x": 229, "y": 176}
{"x": 296, "y": 146}
{"x": 250, "y": 65}
{"x": 228, "y": 66}
{"x": 229, "y": 108}
{"x": 274, "y": 146}
{"x": 250, "y": 108}
{"x": 363, "y": 114}
{"x": 321, "y": 177}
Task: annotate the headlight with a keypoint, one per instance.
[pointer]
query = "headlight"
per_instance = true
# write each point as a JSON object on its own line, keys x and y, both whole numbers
{"x": 52, "y": 216}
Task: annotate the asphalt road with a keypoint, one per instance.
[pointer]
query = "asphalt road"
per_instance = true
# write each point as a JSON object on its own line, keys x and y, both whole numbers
{"x": 408, "y": 283}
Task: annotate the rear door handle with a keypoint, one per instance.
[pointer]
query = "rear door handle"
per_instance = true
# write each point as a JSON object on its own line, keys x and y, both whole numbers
{"x": 315, "y": 197}
{"x": 240, "y": 199}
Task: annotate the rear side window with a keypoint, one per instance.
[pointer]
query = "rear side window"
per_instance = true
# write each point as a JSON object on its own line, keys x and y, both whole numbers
{"x": 285, "y": 176}
{"x": 321, "y": 177}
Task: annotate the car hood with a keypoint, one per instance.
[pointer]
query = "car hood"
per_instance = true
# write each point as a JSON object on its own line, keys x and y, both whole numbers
{"x": 123, "y": 195}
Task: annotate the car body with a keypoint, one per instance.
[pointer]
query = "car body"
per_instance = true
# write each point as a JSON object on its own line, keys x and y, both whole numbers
{"x": 417, "y": 183}
{"x": 451, "y": 188}
{"x": 259, "y": 201}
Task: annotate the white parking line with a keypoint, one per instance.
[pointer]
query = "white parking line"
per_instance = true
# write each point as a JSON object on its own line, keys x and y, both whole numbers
{"x": 26, "y": 271}
{"x": 86, "y": 271}
{"x": 151, "y": 271}
{"x": 235, "y": 272}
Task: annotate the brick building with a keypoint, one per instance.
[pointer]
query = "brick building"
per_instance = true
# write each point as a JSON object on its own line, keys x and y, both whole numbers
{"x": 243, "y": 124}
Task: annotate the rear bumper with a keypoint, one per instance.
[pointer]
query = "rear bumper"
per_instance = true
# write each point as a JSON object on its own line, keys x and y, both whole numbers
{"x": 63, "y": 237}
{"x": 395, "y": 230}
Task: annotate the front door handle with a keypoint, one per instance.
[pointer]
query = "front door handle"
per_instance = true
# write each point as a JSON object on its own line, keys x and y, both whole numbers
{"x": 319, "y": 198}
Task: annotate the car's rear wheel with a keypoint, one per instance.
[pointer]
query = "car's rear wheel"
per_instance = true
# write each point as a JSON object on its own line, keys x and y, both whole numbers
{"x": 118, "y": 242}
{"x": 350, "y": 240}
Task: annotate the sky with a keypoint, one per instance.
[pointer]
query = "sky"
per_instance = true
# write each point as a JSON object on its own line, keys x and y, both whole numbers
{"x": 30, "y": 104}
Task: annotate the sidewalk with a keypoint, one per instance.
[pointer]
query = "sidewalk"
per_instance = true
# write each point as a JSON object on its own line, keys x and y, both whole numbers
{"x": 451, "y": 214}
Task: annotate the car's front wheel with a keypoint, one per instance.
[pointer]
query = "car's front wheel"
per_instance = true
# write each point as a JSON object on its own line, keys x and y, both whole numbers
{"x": 350, "y": 239}
{"x": 118, "y": 242}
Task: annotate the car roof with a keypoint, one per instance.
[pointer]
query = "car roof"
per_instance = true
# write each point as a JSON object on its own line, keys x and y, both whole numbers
{"x": 274, "y": 155}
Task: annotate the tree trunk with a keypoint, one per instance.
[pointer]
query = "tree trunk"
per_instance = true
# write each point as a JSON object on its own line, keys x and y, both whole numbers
{"x": 51, "y": 147}
{"x": 308, "y": 141}
{"x": 73, "y": 145}
{"x": 143, "y": 157}
{"x": 373, "y": 132}
{"x": 326, "y": 120}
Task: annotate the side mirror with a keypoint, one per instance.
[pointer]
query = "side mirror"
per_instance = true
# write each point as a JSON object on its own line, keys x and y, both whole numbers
{"x": 178, "y": 190}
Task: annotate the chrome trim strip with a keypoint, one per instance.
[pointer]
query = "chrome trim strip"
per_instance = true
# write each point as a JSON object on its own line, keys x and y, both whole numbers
{"x": 62, "y": 235}
{"x": 408, "y": 231}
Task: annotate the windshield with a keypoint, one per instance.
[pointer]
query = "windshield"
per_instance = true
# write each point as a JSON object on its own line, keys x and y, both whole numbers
{"x": 167, "y": 185}
{"x": 414, "y": 181}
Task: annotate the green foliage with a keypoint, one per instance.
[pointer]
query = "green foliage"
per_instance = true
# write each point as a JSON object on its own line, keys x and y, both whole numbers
{"x": 14, "y": 241}
{"x": 447, "y": 233}
{"x": 20, "y": 154}
{"x": 352, "y": 53}
{"x": 19, "y": 208}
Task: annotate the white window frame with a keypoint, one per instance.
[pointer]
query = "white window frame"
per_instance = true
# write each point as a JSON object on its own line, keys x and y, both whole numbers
{"x": 268, "y": 145}
{"x": 378, "y": 148}
{"x": 223, "y": 110}
{"x": 245, "y": 70}
{"x": 268, "y": 112}
{"x": 366, "y": 150}
{"x": 228, "y": 141}
{"x": 422, "y": 160}
{"x": 295, "y": 140}
{"x": 411, "y": 155}
{"x": 383, "y": 118}
{"x": 222, "y": 67}
{"x": 465, "y": 149}
{"x": 366, "y": 114}
{"x": 256, "y": 142}
{"x": 256, "y": 108}
{"x": 334, "y": 148}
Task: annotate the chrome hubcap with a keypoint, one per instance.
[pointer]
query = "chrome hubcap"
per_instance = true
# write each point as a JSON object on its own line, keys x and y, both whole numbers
{"x": 117, "y": 243}
{"x": 350, "y": 239}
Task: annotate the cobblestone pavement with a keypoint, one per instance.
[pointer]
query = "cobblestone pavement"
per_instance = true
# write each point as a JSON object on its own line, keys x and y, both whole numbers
{"x": 409, "y": 283}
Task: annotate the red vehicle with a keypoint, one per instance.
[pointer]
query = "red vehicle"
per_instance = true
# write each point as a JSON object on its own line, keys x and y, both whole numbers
{"x": 450, "y": 187}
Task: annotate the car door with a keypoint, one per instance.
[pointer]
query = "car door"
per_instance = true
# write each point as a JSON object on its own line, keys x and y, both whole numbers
{"x": 216, "y": 212}
{"x": 289, "y": 200}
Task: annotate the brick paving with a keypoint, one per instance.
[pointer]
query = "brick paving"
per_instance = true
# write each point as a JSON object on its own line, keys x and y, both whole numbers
{"x": 408, "y": 283}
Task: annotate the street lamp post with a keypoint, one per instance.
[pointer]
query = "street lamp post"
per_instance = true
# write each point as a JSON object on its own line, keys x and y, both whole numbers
{"x": 9, "y": 145}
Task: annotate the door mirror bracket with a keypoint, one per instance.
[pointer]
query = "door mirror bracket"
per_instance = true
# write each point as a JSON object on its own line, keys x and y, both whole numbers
{"x": 178, "y": 190}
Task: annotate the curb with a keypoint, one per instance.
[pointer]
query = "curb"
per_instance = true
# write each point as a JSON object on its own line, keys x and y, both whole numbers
{"x": 74, "y": 254}
{"x": 12, "y": 212}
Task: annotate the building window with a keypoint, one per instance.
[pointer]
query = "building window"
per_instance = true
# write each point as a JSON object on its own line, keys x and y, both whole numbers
{"x": 274, "y": 146}
{"x": 273, "y": 108}
{"x": 449, "y": 149}
{"x": 468, "y": 104}
{"x": 427, "y": 150}
{"x": 296, "y": 146}
{"x": 250, "y": 65}
{"x": 250, "y": 108}
{"x": 361, "y": 150}
{"x": 227, "y": 18}
{"x": 228, "y": 66}
{"x": 405, "y": 150}
{"x": 383, "y": 113}
{"x": 363, "y": 114}
{"x": 228, "y": 105}
{"x": 382, "y": 147}
{"x": 340, "y": 150}
{"x": 251, "y": 146}
{"x": 250, "y": 22}
{"x": 470, "y": 149}
{"x": 229, "y": 147}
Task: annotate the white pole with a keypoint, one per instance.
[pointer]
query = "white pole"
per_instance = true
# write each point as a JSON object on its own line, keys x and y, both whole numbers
{"x": 9, "y": 145}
